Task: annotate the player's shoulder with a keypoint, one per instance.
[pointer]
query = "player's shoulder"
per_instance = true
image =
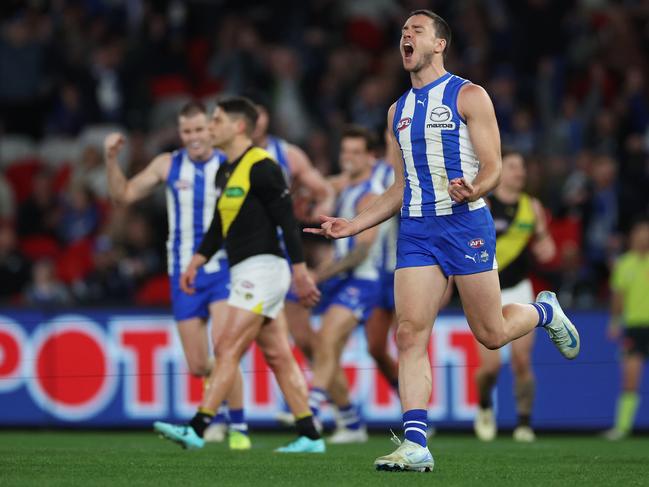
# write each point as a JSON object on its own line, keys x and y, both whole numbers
{"x": 162, "y": 162}
{"x": 472, "y": 91}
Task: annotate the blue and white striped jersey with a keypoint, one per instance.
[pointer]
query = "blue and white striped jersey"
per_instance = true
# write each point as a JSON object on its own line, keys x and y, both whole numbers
{"x": 191, "y": 199}
{"x": 383, "y": 176}
{"x": 436, "y": 148}
{"x": 346, "y": 207}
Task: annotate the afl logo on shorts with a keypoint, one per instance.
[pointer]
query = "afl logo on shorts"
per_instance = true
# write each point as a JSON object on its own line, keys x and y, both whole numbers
{"x": 440, "y": 118}
{"x": 403, "y": 123}
{"x": 476, "y": 243}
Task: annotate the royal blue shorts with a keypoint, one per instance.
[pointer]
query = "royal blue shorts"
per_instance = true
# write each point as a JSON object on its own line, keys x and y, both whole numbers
{"x": 463, "y": 243}
{"x": 386, "y": 291}
{"x": 358, "y": 295}
{"x": 209, "y": 288}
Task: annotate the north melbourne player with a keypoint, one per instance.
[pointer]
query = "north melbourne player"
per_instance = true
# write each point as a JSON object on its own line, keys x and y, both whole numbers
{"x": 446, "y": 136}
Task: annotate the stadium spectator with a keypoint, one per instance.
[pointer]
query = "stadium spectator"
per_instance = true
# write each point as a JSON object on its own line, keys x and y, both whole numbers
{"x": 14, "y": 268}
{"x": 68, "y": 115}
{"x": 80, "y": 215}
{"x": 45, "y": 289}
{"x": 106, "y": 284}
{"x": 40, "y": 213}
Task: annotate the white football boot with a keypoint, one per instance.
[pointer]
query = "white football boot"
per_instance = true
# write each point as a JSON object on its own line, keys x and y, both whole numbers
{"x": 408, "y": 456}
{"x": 524, "y": 434}
{"x": 561, "y": 330}
{"x": 215, "y": 433}
{"x": 484, "y": 424}
{"x": 344, "y": 435}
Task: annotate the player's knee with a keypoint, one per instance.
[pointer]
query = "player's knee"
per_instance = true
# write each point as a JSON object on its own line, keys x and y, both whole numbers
{"x": 199, "y": 368}
{"x": 277, "y": 356}
{"x": 409, "y": 335}
{"x": 225, "y": 351}
{"x": 492, "y": 340}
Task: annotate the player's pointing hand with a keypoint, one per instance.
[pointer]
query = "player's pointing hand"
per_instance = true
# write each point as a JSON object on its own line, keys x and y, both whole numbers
{"x": 461, "y": 190}
{"x": 331, "y": 227}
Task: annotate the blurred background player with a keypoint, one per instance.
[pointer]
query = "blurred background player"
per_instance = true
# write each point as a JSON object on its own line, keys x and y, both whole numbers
{"x": 382, "y": 317}
{"x": 188, "y": 176}
{"x": 312, "y": 196}
{"x": 253, "y": 201}
{"x": 349, "y": 280}
{"x": 521, "y": 230}
{"x": 630, "y": 321}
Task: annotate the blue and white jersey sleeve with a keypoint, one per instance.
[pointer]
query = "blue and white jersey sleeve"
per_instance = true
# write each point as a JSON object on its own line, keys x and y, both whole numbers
{"x": 191, "y": 201}
{"x": 435, "y": 145}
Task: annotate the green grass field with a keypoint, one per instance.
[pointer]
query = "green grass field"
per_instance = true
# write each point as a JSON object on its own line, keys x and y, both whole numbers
{"x": 141, "y": 458}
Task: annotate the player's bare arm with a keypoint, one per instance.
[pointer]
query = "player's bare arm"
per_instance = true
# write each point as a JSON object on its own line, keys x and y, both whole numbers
{"x": 386, "y": 205}
{"x": 126, "y": 191}
{"x": 358, "y": 254}
{"x": 476, "y": 107}
{"x": 543, "y": 245}
{"x": 308, "y": 177}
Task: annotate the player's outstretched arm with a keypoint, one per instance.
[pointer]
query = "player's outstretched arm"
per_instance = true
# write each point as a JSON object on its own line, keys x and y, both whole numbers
{"x": 126, "y": 191}
{"x": 475, "y": 106}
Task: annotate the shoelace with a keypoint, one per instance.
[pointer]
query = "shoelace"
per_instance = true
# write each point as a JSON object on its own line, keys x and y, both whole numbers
{"x": 395, "y": 439}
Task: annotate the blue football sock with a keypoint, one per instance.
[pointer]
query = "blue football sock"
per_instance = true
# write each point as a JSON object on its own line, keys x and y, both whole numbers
{"x": 415, "y": 423}
{"x": 350, "y": 417}
{"x": 237, "y": 421}
{"x": 317, "y": 396}
{"x": 545, "y": 313}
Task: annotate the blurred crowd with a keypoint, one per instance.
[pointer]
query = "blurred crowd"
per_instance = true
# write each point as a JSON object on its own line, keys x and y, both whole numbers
{"x": 567, "y": 78}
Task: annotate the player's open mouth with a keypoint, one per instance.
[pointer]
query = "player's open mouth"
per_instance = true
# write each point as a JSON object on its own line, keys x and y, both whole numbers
{"x": 408, "y": 50}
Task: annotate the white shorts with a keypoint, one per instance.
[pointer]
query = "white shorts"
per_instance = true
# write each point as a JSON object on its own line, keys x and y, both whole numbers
{"x": 259, "y": 284}
{"x": 520, "y": 293}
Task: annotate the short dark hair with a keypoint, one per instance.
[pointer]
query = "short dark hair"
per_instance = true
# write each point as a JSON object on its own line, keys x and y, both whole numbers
{"x": 442, "y": 29}
{"x": 192, "y": 108}
{"x": 241, "y": 106}
{"x": 357, "y": 131}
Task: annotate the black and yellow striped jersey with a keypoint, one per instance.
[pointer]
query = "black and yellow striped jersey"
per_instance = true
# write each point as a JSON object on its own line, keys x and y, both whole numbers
{"x": 515, "y": 225}
{"x": 253, "y": 201}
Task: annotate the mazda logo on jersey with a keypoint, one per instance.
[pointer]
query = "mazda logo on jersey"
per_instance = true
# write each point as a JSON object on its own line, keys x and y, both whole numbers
{"x": 403, "y": 123}
{"x": 440, "y": 118}
{"x": 234, "y": 192}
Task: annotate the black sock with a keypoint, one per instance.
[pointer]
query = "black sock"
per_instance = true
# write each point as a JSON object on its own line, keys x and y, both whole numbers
{"x": 305, "y": 427}
{"x": 485, "y": 403}
{"x": 200, "y": 422}
{"x": 523, "y": 420}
